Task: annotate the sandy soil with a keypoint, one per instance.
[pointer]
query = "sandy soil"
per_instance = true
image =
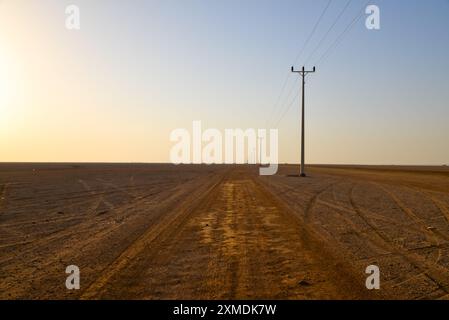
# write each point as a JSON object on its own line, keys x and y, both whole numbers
{"x": 223, "y": 232}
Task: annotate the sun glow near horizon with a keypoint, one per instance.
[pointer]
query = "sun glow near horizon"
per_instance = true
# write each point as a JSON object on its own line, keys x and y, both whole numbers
{"x": 115, "y": 89}
{"x": 10, "y": 88}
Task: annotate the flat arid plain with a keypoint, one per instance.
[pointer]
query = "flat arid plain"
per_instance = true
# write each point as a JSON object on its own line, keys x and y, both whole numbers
{"x": 160, "y": 231}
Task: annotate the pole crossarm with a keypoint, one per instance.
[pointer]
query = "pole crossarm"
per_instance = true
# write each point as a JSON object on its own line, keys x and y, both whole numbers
{"x": 303, "y": 72}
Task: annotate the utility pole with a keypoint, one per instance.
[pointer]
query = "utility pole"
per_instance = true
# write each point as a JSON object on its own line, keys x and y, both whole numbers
{"x": 260, "y": 149}
{"x": 303, "y": 74}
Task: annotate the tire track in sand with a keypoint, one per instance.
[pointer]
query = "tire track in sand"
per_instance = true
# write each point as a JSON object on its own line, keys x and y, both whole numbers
{"x": 434, "y": 272}
{"x": 141, "y": 243}
{"x": 3, "y": 193}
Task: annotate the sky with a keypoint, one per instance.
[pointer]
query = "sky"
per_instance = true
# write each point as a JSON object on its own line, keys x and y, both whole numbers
{"x": 136, "y": 70}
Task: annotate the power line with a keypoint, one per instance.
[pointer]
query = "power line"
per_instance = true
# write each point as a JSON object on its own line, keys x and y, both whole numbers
{"x": 324, "y": 56}
{"x": 278, "y": 99}
{"x": 313, "y": 31}
{"x": 296, "y": 59}
{"x": 338, "y": 40}
{"x": 287, "y": 109}
{"x": 287, "y": 97}
{"x": 328, "y": 31}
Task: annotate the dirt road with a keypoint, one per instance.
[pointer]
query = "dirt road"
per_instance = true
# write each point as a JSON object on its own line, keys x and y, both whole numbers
{"x": 237, "y": 242}
{"x": 222, "y": 232}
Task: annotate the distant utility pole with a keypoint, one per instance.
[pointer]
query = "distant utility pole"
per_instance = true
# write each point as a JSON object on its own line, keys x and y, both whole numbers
{"x": 303, "y": 74}
{"x": 260, "y": 149}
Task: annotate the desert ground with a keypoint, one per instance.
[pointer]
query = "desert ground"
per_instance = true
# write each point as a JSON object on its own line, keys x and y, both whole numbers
{"x": 160, "y": 231}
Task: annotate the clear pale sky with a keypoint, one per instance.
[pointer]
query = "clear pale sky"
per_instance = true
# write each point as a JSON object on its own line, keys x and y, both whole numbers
{"x": 114, "y": 90}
